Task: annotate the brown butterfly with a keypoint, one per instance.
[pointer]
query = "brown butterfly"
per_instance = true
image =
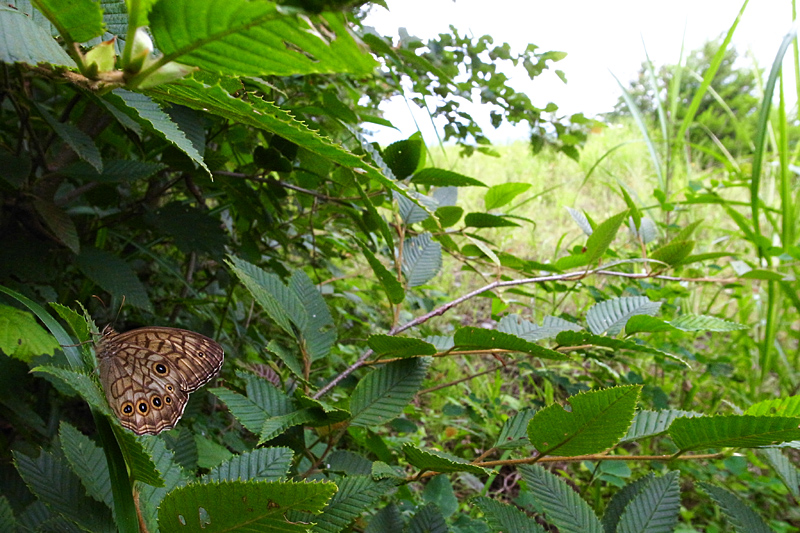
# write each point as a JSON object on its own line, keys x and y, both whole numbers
{"x": 148, "y": 373}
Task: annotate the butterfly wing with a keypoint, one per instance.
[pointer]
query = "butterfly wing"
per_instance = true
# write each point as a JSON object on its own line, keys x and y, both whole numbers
{"x": 148, "y": 374}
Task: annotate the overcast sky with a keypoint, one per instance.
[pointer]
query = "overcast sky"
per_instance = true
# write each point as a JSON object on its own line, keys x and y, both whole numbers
{"x": 599, "y": 37}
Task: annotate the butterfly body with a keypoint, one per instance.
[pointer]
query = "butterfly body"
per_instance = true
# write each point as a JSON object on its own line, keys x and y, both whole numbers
{"x": 148, "y": 374}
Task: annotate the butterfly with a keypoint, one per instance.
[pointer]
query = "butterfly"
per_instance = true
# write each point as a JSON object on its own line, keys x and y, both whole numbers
{"x": 148, "y": 373}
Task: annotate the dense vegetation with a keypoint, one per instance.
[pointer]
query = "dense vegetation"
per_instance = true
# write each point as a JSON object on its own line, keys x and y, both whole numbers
{"x": 414, "y": 342}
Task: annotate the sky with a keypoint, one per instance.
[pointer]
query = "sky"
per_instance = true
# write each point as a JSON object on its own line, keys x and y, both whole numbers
{"x": 600, "y": 38}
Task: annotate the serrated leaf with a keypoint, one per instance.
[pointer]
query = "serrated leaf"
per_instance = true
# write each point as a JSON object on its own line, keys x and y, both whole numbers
{"x": 471, "y": 338}
{"x": 438, "y": 177}
{"x": 59, "y": 222}
{"x": 403, "y": 157}
{"x": 427, "y": 459}
{"x": 88, "y": 461}
{"x": 81, "y": 20}
{"x": 229, "y": 505}
{"x": 51, "y": 480}
{"x": 580, "y": 219}
{"x": 264, "y": 115}
{"x": 647, "y": 324}
{"x": 261, "y": 464}
{"x": 602, "y": 237}
{"x": 387, "y": 520}
{"x": 24, "y": 41}
{"x": 429, "y": 519}
{"x": 281, "y": 304}
{"x": 673, "y": 252}
{"x": 210, "y": 453}
{"x": 139, "y": 461}
{"x": 514, "y": 433}
{"x": 410, "y": 211}
{"x": 391, "y": 346}
{"x": 651, "y": 423}
{"x": 146, "y": 109}
{"x": 22, "y": 337}
{"x": 449, "y": 215}
{"x": 288, "y": 358}
{"x": 255, "y": 39}
{"x": 443, "y": 343}
{"x": 563, "y": 507}
{"x": 319, "y": 333}
{"x": 276, "y": 425}
{"x": 192, "y": 229}
{"x": 422, "y": 259}
{"x": 83, "y": 145}
{"x": 503, "y": 194}
{"x": 484, "y": 248}
{"x": 597, "y": 421}
{"x": 551, "y": 326}
{"x": 383, "y": 393}
{"x": 610, "y": 316}
{"x": 655, "y": 509}
{"x": 114, "y": 275}
{"x": 782, "y": 466}
{"x": 583, "y": 338}
{"x": 705, "y": 323}
{"x": 249, "y": 415}
{"x": 114, "y": 170}
{"x": 743, "y": 517}
{"x": 349, "y": 463}
{"x": 355, "y": 495}
{"x": 737, "y": 431}
{"x": 485, "y": 220}
{"x": 81, "y": 383}
{"x": 7, "y": 520}
{"x": 776, "y": 407}
{"x": 393, "y": 288}
{"x": 620, "y": 501}
{"x": 648, "y": 231}
{"x": 504, "y": 517}
{"x": 173, "y": 475}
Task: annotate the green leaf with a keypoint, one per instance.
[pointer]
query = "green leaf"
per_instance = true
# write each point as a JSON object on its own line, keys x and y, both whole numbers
{"x": 741, "y": 515}
{"x": 281, "y": 303}
{"x": 563, "y": 507}
{"x": 210, "y": 453}
{"x": 651, "y": 423}
{"x": 610, "y": 316}
{"x": 383, "y": 393}
{"x": 635, "y": 214}
{"x": 784, "y": 467}
{"x": 440, "y": 491}
{"x": 142, "y": 107}
{"x": 22, "y": 337}
{"x": 150, "y": 497}
{"x": 619, "y": 502}
{"x": 471, "y": 338}
{"x": 705, "y": 323}
{"x": 647, "y": 324}
{"x": 429, "y": 519}
{"x": 602, "y": 237}
{"x": 485, "y": 220}
{"x": 422, "y": 259}
{"x": 264, "y": 115}
{"x": 7, "y": 520}
{"x": 582, "y": 338}
{"x": 504, "y": 517}
{"x": 438, "y": 177}
{"x": 655, "y": 509}
{"x": 24, "y": 41}
{"x": 140, "y": 463}
{"x": 760, "y": 273}
{"x": 319, "y": 333}
{"x": 243, "y": 409}
{"x": 51, "y": 480}
{"x": 551, "y": 326}
{"x": 673, "y": 252}
{"x": 393, "y": 289}
{"x": 261, "y": 464}
{"x": 78, "y": 20}
{"x": 114, "y": 275}
{"x": 83, "y": 384}
{"x": 81, "y": 144}
{"x": 349, "y": 463}
{"x": 229, "y": 505}
{"x": 515, "y": 431}
{"x": 449, "y": 215}
{"x": 356, "y": 494}
{"x": 500, "y": 195}
{"x": 733, "y": 431}
{"x": 597, "y": 421}
{"x": 276, "y": 425}
{"x": 409, "y": 206}
{"x": 59, "y": 222}
{"x": 255, "y": 39}
{"x": 288, "y": 358}
{"x": 114, "y": 171}
{"x": 387, "y": 346}
{"x": 88, "y": 461}
{"x": 403, "y": 157}
{"x": 427, "y": 459}
{"x": 776, "y": 407}
{"x": 387, "y": 520}
{"x": 193, "y": 229}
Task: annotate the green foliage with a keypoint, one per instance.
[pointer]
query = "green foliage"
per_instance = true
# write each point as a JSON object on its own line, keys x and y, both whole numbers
{"x": 398, "y": 359}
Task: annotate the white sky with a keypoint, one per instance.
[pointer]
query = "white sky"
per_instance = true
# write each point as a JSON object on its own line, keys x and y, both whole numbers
{"x": 598, "y": 36}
